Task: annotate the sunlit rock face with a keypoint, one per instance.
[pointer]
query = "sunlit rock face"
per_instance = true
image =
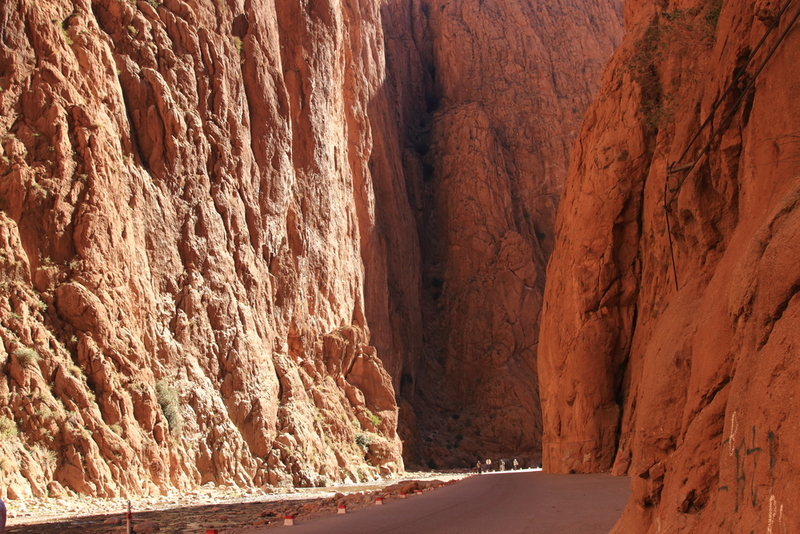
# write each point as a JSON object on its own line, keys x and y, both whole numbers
{"x": 190, "y": 249}
{"x": 669, "y": 334}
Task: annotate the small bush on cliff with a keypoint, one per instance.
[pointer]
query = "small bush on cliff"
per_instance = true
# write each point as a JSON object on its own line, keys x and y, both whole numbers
{"x": 363, "y": 440}
{"x": 6, "y": 467}
{"x": 66, "y": 36}
{"x": 673, "y": 34}
{"x": 169, "y": 401}
{"x": 8, "y": 428}
{"x": 711, "y": 18}
{"x": 26, "y": 356}
{"x": 642, "y": 65}
{"x": 43, "y": 413}
{"x": 374, "y": 419}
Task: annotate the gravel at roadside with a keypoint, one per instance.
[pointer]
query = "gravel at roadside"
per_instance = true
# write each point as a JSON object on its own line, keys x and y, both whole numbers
{"x": 231, "y": 510}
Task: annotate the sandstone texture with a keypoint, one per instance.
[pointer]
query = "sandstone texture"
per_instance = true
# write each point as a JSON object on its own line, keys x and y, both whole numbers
{"x": 252, "y": 243}
{"x": 506, "y": 84}
{"x": 188, "y": 246}
{"x": 683, "y": 373}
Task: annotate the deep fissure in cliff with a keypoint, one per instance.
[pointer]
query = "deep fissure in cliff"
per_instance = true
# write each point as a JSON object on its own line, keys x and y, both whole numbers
{"x": 492, "y": 134}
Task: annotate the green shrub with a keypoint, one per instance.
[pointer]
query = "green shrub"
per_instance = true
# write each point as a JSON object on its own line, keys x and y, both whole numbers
{"x": 43, "y": 413}
{"x": 67, "y": 38}
{"x": 375, "y": 420}
{"x": 26, "y": 356}
{"x": 169, "y": 401}
{"x": 8, "y": 428}
{"x": 363, "y": 440}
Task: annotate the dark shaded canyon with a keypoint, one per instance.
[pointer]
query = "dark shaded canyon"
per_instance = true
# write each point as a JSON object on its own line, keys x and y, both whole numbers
{"x": 505, "y": 85}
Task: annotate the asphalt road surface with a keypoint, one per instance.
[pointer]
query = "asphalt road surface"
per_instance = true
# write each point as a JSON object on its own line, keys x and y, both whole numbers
{"x": 526, "y": 502}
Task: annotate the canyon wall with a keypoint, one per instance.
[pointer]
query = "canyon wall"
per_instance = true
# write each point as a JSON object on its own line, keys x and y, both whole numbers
{"x": 237, "y": 234}
{"x": 507, "y": 83}
{"x": 670, "y": 324}
{"x": 190, "y": 251}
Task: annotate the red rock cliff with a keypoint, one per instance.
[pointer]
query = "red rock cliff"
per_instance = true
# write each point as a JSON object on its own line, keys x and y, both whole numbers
{"x": 190, "y": 246}
{"x": 507, "y": 83}
{"x": 232, "y": 230}
{"x": 685, "y": 378}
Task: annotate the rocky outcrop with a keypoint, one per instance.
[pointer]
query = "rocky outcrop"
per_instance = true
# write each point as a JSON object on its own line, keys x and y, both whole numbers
{"x": 236, "y": 233}
{"x": 192, "y": 290}
{"x": 506, "y": 84}
{"x": 670, "y": 318}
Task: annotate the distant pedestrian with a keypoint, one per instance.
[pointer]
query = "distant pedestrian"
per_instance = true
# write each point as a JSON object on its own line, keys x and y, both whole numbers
{"x": 478, "y": 467}
{"x": 2, "y": 516}
{"x": 516, "y": 464}
{"x": 502, "y": 465}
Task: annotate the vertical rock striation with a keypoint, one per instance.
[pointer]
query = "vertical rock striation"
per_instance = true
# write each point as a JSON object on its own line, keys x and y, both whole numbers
{"x": 506, "y": 85}
{"x": 682, "y": 372}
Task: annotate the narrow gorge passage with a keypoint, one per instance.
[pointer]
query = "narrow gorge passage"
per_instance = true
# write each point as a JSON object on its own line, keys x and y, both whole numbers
{"x": 274, "y": 243}
{"x": 505, "y": 86}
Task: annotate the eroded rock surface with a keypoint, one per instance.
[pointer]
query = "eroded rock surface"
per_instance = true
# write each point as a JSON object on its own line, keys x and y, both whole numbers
{"x": 187, "y": 219}
{"x": 506, "y": 85}
{"x": 686, "y": 383}
{"x": 233, "y": 232}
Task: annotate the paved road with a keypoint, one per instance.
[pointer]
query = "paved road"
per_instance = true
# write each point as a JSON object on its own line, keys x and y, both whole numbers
{"x": 526, "y": 502}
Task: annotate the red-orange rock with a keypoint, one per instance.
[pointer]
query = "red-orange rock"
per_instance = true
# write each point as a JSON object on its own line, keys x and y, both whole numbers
{"x": 690, "y": 390}
{"x": 506, "y": 85}
{"x": 211, "y": 216}
{"x": 146, "y": 527}
{"x": 190, "y": 268}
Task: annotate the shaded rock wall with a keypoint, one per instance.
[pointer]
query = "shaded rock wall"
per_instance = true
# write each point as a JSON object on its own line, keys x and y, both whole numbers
{"x": 506, "y": 85}
{"x": 190, "y": 246}
{"x": 688, "y": 389}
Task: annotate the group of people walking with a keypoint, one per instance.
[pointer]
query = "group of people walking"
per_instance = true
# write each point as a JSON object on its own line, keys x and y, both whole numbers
{"x": 503, "y": 465}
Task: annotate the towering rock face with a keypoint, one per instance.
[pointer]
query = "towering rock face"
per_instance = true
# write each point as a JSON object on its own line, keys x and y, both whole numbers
{"x": 506, "y": 85}
{"x": 683, "y": 372}
{"x": 233, "y": 230}
{"x": 190, "y": 251}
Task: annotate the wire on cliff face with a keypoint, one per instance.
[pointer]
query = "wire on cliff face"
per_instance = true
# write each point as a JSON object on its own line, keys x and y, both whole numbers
{"x": 675, "y": 166}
